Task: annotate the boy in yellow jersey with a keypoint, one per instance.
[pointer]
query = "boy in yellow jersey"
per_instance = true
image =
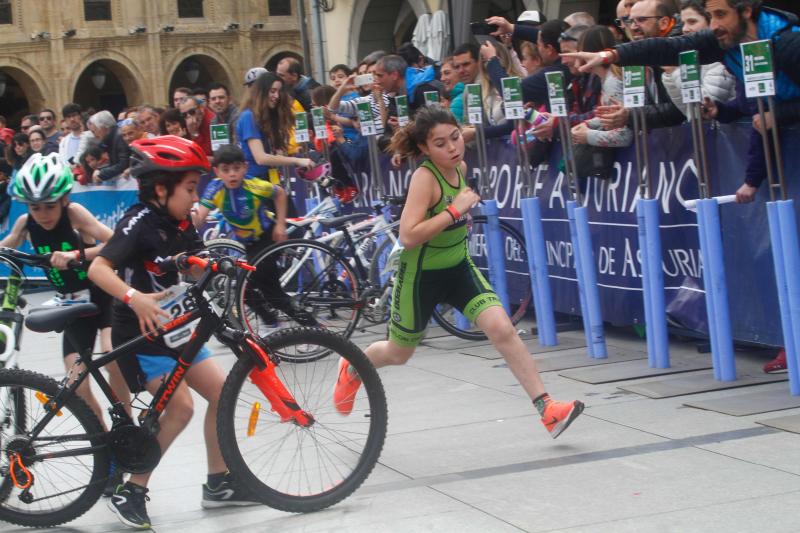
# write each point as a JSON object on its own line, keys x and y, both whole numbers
{"x": 243, "y": 202}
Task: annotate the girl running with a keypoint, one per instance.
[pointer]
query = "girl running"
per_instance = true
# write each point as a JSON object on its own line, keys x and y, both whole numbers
{"x": 435, "y": 267}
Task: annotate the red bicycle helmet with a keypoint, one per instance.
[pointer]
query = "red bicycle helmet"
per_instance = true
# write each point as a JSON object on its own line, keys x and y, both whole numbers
{"x": 168, "y": 153}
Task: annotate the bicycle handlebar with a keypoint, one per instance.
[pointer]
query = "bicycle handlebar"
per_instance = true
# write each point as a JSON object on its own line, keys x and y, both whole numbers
{"x": 34, "y": 260}
{"x": 222, "y": 265}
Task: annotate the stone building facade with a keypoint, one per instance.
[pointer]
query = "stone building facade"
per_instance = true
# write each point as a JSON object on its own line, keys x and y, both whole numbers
{"x": 117, "y": 53}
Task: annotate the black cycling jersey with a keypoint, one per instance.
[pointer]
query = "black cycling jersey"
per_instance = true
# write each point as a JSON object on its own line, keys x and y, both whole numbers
{"x": 62, "y": 238}
{"x": 144, "y": 238}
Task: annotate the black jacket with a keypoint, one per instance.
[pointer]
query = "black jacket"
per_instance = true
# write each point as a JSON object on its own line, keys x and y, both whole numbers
{"x": 118, "y": 155}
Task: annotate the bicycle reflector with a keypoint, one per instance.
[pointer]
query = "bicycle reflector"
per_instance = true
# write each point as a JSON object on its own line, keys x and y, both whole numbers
{"x": 49, "y": 404}
{"x": 251, "y": 424}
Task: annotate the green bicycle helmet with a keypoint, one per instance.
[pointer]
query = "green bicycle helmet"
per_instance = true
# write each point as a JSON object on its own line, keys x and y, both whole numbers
{"x": 42, "y": 179}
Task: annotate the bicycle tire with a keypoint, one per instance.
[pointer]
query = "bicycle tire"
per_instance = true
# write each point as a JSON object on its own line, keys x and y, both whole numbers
{"x": 76, "y": 419}
{"x": 356, "y": 441}
{"x": 444, "y": 315}
{"x": 328, "y": 289}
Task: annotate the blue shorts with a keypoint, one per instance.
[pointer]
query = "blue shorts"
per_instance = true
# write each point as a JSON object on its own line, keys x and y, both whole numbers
{"x": 155, "y": 366}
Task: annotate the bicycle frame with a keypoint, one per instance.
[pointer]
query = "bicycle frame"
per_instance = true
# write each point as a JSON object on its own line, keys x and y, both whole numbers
{"x": 210, "y": 323}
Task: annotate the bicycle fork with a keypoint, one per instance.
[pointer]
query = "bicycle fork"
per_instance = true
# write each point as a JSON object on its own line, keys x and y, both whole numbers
{"x": 281, "y": 400}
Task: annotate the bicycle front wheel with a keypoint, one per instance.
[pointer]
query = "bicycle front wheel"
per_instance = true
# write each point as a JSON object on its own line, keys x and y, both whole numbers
{"x": 516, "y": 273}
{"x": 303, "y": 469}
{"x": 67, "y": 461}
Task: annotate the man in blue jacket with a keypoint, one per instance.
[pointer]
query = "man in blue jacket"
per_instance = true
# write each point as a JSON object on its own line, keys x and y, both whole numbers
{"x": 732, "y": 22}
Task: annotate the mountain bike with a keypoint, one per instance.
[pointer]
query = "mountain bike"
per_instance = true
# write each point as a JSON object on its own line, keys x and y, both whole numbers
{"x": 278, "y": 432}
{"x": 12, "y": 414}
{"x": 327, "y": 278}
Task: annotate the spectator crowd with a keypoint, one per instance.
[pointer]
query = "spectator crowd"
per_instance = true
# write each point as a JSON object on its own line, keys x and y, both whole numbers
{"x": 95, "y": 143}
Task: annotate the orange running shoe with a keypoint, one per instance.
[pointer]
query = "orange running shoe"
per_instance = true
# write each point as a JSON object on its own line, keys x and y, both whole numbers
{"x": 344, "y": 394}
{"x": 558, "y": 416}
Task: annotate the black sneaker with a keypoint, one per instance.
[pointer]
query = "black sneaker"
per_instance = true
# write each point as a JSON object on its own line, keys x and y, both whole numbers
{"x": 227, "y": 494}
{"x": 128, "y": 502}
{"x": 114, "y": 480}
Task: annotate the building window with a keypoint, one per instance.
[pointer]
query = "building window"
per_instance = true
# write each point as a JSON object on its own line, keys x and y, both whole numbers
{"x": 190, "y": 9}
{"x": 97, "y": 9}
{"x": 5, "y": 12}
{"x": 280, "y": 8}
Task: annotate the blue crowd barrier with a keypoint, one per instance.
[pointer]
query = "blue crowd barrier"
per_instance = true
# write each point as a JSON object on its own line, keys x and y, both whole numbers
{"x": 611, "y": 207}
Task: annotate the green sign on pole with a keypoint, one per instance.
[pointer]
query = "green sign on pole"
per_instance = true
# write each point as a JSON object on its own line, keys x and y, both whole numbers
{"x": 690, "y": 77}
{"x": 219, "y": 136}
{"x": 301, "y": 127}
{"x": 364, "y": 111}
{"x": 512, "y": 98}
{"x": 401, "y": 101}
{"x": 431, "y": 97}
{"x": 555, "y": 93}
{"x": 474, "y": 103}
{"x": 759, "y": 77}
{"x": 318, "y": 118}
{"x": 633, "y": 86}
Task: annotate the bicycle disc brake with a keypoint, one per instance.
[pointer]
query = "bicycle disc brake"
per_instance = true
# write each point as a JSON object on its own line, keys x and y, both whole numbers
{"x": 135, "y": 449}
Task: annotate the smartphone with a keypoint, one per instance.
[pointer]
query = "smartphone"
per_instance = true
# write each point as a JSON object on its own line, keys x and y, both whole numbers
{"x": 483, "y": 38}
{"x": 364, "y": 79}
{"x": 482, "y": 28}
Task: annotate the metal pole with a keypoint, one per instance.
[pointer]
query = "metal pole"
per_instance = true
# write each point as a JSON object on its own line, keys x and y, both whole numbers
{"x": 483, "y": 182}
{"x": 585, "y": 265}
{"x": 701, "y": 137}
{"x": 777, "y": 142}
{"x": 319, "y": 52}
{"x": 767, "y": 151}
{"x": 301, "y": 15}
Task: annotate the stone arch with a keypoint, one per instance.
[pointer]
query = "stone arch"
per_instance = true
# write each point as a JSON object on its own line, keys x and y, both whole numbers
{"x": 25, "y": 92}
{"x": 123, "y": 72}
{"x": 213, "y": 66}
{"x": 357, "y": 20}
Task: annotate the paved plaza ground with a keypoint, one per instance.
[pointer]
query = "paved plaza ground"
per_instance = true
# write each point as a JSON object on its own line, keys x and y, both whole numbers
{"x": 466, "y": 452}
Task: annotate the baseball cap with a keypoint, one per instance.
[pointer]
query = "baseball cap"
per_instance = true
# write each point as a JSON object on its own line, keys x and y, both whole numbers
{"x": 253, "y": 74}
{"x": 531, "y": 18}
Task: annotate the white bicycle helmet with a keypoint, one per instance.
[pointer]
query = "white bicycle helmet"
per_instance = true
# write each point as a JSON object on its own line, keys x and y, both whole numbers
{"x": 42, "y": 179}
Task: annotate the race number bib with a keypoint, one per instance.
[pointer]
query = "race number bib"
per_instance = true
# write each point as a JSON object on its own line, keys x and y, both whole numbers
{"x": 177, "y": 302}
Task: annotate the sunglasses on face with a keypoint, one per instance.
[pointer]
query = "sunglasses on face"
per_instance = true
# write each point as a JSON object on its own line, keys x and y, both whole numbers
{"x": 190, "y": 113}
{"x": 640, "y": 20}
{"x": 45, "y": 117}
{"x": 564, "y": 37}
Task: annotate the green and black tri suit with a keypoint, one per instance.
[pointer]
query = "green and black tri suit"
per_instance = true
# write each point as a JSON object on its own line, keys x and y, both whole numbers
{"x": 72, "y": 283}
{"x": 438, "y": 271}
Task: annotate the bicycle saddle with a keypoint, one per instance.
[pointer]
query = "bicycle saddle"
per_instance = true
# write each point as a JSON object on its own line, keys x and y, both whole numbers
{"x": 336, "y": 222}
{"x": 58, "y": 318}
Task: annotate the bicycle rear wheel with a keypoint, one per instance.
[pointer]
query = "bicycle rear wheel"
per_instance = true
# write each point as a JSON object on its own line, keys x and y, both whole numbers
{"x": 294, "y": 468}
{"x": 65, "y": 486}
{"x": 321, "y": 287}
{"x": 516, "y": 272}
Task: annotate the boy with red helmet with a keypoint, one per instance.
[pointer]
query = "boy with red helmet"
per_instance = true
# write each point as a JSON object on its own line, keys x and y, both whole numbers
{"x": 151, "y": 232}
